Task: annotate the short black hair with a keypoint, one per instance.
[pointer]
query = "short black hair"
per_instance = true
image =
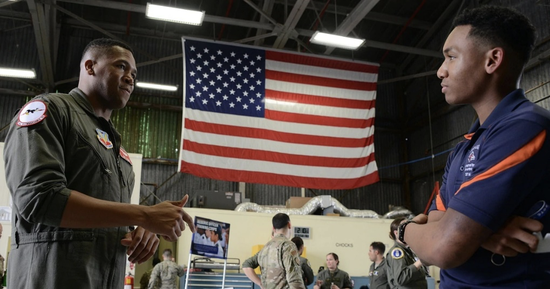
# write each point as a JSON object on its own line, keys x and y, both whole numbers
{"x": 298, "y": 242}
{"x": 104, "y": 44}
{"x": 378, "y": 246}
{"x": 280, "y": 220}
{"x": 500, "y": 26}
{"x": 167, "y": 253}
{"x": 218, "y": 230}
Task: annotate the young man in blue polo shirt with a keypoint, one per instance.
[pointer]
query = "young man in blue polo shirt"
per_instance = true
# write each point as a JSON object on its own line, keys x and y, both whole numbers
{"x": 500, "y": 173}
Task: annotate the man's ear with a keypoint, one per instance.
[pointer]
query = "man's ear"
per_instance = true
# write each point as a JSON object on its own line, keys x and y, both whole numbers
{"x": 494, "y": 59}
{"x": 89, "y": 66}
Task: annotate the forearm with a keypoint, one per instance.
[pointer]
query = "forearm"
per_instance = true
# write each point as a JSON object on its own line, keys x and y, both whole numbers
{"x": 82, "y": 211}
{"x": 249, "y": 272}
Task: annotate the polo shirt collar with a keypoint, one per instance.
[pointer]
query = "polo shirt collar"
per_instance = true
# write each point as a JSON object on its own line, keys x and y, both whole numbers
{"x": 504, "y": 107}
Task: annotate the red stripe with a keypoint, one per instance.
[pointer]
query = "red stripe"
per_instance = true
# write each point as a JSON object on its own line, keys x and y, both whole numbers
{"x": 277, "y": 179}
{"x": 318, "y": 120}
{"x": 319, "y": 100}
{"x": 240, "y": 131}
{"x": 320, "y": 62}
{"x": 317, "y": 80}
{"x": 277, "y": 157}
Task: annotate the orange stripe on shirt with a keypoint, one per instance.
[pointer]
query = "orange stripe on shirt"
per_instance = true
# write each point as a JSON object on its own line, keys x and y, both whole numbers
{"x": 517, "y": 157}
{"x": 439, "y": 203}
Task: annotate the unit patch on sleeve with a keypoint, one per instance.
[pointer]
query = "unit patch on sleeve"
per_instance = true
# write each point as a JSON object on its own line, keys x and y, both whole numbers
{"x": 397, "y": 253}
{"x": 32, "y": 113}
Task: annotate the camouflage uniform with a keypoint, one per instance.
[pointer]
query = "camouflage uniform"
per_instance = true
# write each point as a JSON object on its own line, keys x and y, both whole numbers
{"x": 338, "y": 277}
{"x": 402, "y": 274}
{"x": 280, "y": 264}
{"x": 168, "y": 272}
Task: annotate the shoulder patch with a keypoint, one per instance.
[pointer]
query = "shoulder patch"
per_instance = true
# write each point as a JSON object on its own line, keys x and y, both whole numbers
{"x": 32, "y": 113}
{"x": 103, "y": 138}
{"x": 397, "y": 253}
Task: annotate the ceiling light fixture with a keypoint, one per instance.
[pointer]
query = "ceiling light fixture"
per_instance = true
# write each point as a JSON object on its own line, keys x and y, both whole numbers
{"x": 17, "y": 73}
{"x": 156, "y": 86}
{"x": 336, "y": 40}
{"x": 177, "y": 15}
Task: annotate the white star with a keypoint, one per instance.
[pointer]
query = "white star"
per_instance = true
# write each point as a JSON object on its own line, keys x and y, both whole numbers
{"x": 252, "y": 62}
{"x": 225, "y": 72}
{"x": 225, "y": 59}
{"x": 239, "y": 61}
{"x": 205, "y": 88}
{"x": 252, "y": 100}
{"x": 245, "y": 106}
{"x": 233, "y": 54}
{"x": 258, "y": 95}
{"x": 218, "y": 77}
{"x": 239, "y": 73}
{"x": 219, "y": 52}
{"x": 212, "y": 69}
{"x": 198, "y": 80}
{"x": 192, "y": 73}
{"x": 245, "y": 68}
{"x": 232, "y": 79}
{"x": 232, "y": 92}
{"x": 205, "y": 63}
{"x": 211, "y": 95}
{"x": 205, "y": 101}
{"x": 192, "y": 48}
{"x": 219, "y": 64}
{"x": 199, "y": 55}
{"x": 258, "y": 108}
{"x": 205, "y": 50}
{"x": 252, "y": 75}
{"x": 239, "y": 86}
{"x": 245, "y": 80}
{"x": 239, "y": 99}
{"x": 225, "y": 84}
{"x": 218, "y": 90}
{"x": 232, "y": 105}
{"x": 225, "y": 97}
{"x": 198, "y": 94}
{"x": 212, "y": 82}
{"x": 212, "y": 57}
{"x": 205, "y": 75}
{"x": 218, "y": 103}
{"x": 258, "y": 82}
{"x": 192, "y": 60}
{"x": 252, "y": 87}
{"x": 258, "y": 57}
{"x": 258, "y": 70}
{"x": 199, "y": 68}
{"x": 245, "y": 93}
{"x": 192, "y": 86}
{"x": 245, "y": 56}
{"x": 232, "y": 66}
{"x": 192, "y": 99}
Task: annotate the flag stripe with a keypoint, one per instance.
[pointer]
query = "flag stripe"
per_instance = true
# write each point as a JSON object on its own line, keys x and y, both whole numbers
{"x": 265, "y": 134}
{"x": 319, "y": 100}
{"x": 276, "y": 179}
{"x": 307, "y": 130}
{"x": 320, "y": 62}
{"x": 320, "y": 81}
{"x": 321, "y": 71}
{"x": 276, "y": 167}
{"x": 318, "y": 120}
{"x": 329, "y": 112}
{"x": 340, "y": 93}
{"x": 270, "y": 156}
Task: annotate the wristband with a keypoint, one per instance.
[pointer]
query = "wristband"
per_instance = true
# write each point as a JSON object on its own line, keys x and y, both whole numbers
{"x": 401, "y": 231}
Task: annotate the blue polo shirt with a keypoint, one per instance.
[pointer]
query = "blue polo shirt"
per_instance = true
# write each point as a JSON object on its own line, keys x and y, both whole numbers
{"x": 502, "y": 168}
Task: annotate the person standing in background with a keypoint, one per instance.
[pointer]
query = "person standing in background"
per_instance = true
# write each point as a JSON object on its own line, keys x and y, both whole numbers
{"x": 404, "y": 269}
{"x": 307, "y": 272}
{"x": 166, "y": 271}
{"x": 332, "y": 277}
{"x": 144, "y": 281}
{"x": 278, "y": 259}
{"x": 377, "y": 272}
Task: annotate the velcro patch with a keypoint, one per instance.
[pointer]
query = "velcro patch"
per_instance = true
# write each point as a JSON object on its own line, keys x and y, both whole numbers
{"x": 397, "y": 253}
{"x": 32, "y": 113}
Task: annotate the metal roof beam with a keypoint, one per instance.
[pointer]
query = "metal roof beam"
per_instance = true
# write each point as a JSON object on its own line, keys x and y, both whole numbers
{"x": 40, "y": 19}
{"x": 290, "y": 23}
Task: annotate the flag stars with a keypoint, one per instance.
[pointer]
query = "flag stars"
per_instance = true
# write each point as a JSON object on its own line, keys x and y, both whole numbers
{"x": 192, "y": 73}
{"x": 198, "y": 94}
{"x": 199, "y": 68}
{"x": 225, "y": 84}
{"x": 218, "y": 103}
{"x": 245, "y": 56}
{"x": 206, "y": 50}
{"x": 232, "y": 66}
{"x": 245, "y": 81}
{"x": 212, "y": 57}
{"x": 192, "y": 99}
{"x": 233, "y": 54}
{"x": 211, "y": 95}
{"x": 199, "y": 55}
{"x": 245, "y": 106}
{"x": 212, "y": 83}
{"x": 219, "y": 52}
{"x": 252, "y": 87}
{"x": 258, "y": 58}
{"x": 245, "y": 93}
{"x": 232, "y": 105}
{"x": 205, "y": 101}
{"x": 219, "y": 64}
{"x": 252, "y": 75}
{"x": 245, "y": 68}
{"x": 258, "y": 70}
{"x": 205, "y": 63}
{"x": 258, "y": 95}
{"x": 252, "y": 100}
{"x": 192, "y": 48}
{"x": 225, "y": 59}
{"x": 192, "y": 86}
{"x": 212, "y": 69}
{"x": 252, "y": 63}
{"x": 239, "y": 61}
{"x": 258, "y": 82}
{"x": 232, "y": 92}
{"x": 218, "y": 90}
{"x": 239, "y": 73}
{"x": 218, "y": 77}
{"x": 232, "y": 79}
{"x": 198, "y": 80}
{"x": 205, "y": 88}
{"x": 225, "y": 97}
{"x": 239, "y": 86}
{"x": 239, "y": 99}
{"x": 225, "y": 71}
{"x": 192, "y": 60}
{"x": 205, "y": 75}
{"x": 258, "y": 108}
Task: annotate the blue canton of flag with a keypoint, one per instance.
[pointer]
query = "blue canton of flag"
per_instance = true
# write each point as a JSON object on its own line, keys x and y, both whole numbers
{"x": 225, "y": 79}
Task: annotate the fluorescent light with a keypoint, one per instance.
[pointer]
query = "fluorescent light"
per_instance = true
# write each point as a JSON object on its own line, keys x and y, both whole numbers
{"x": 165, "y": 13}
{"x": 156, "y": 86}
{"x": 336, "y": 40}
{"x": 17, "y": 73}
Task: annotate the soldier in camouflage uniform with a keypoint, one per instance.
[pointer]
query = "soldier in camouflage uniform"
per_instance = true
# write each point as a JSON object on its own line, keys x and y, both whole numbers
{"x": 278, "y": 260}
{"x": 167, "y": 271}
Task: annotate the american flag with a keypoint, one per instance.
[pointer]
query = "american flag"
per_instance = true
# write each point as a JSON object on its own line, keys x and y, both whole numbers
{"x": 265, "y": 116}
